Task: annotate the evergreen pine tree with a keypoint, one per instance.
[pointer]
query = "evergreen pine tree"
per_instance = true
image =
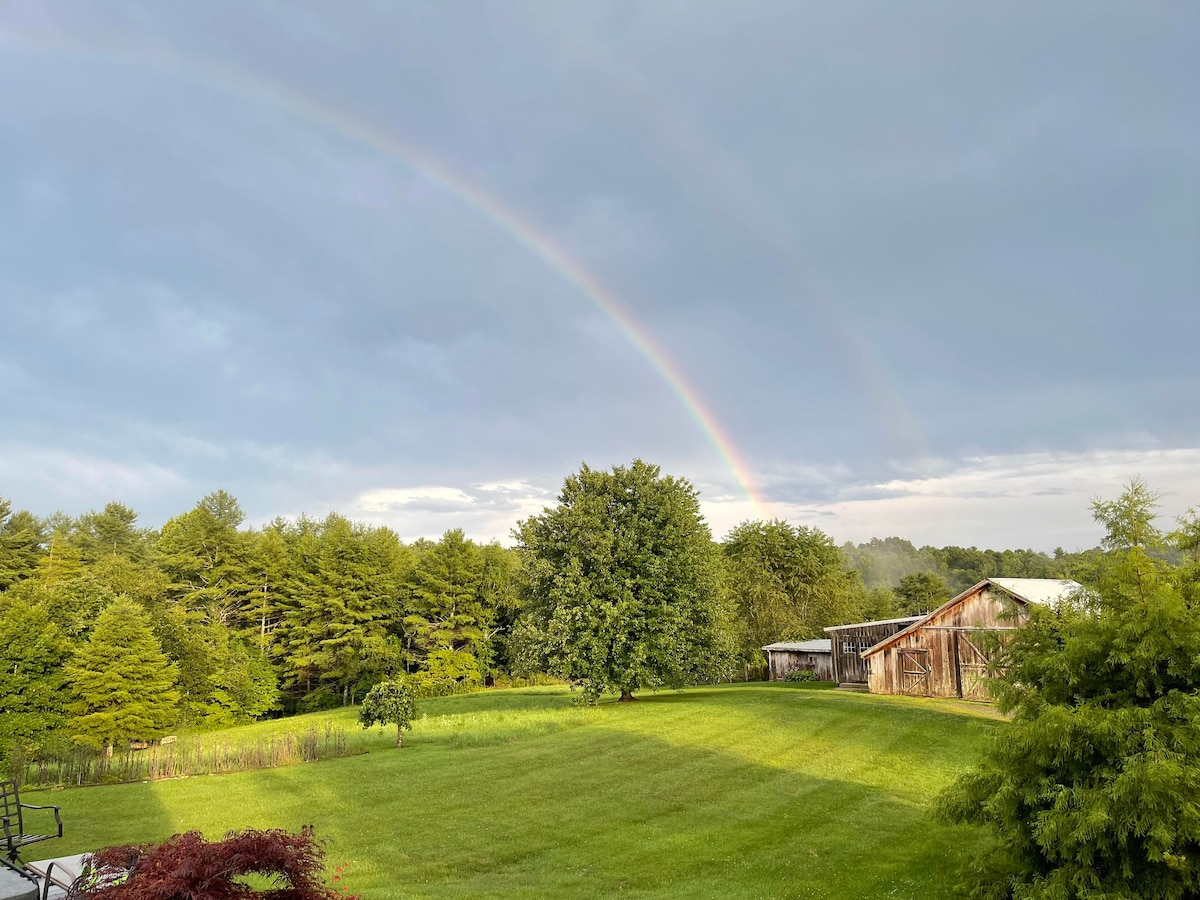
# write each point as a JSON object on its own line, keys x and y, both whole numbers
{"x": 123, "y": 683}
{"x": 445, "y": 620}
{"x": 1093, "y": 790}
{"x": 22, "y": 544}
{"x": 32, "y": 653}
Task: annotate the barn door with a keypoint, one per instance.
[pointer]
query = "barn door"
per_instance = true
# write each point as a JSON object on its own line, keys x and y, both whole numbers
{"x": 914, "y": 672}
{"x": 973, "y": 663}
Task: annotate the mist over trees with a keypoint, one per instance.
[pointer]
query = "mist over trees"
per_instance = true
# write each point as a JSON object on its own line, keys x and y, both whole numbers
{"x": 884, "y": 563}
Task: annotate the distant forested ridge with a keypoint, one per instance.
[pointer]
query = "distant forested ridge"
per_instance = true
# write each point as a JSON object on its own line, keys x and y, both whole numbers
{"x": 885, "y": 562}
{"x": 205, "y": 622}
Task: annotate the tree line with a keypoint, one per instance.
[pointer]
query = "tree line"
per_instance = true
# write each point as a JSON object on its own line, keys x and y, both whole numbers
{"x": 214, "y": 623}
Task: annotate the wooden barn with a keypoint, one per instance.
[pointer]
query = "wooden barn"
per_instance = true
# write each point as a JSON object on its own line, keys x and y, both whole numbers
{"x": 788, "y": 656}
{"x": 848, "y": 642}
{"x": 945, "y": 654}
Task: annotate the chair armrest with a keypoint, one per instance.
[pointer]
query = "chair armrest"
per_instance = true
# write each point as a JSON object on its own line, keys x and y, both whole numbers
{"x": 57, "y": 814}
{"x": 65, "y": 878}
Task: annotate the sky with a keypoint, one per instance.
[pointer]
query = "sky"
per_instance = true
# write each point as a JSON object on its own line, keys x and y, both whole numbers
{"x": 928, "y": 269}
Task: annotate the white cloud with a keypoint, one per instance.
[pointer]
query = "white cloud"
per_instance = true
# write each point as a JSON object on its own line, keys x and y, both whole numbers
{"x": 76, "y": 479}
{"x": 1038, "y": 500}
{"x": 387, "y": 499}
{"x": 484, "y": 511}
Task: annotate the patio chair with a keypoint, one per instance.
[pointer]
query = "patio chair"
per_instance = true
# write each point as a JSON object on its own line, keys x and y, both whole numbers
{"x": 60, "y": 873}
{"x": 12, "y": 820}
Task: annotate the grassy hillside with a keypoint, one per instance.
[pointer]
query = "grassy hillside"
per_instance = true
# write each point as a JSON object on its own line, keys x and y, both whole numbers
{"x": 739, "y": 791}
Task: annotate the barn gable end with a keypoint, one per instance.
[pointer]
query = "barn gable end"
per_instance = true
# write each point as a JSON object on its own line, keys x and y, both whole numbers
{"x": 946, "y": 653}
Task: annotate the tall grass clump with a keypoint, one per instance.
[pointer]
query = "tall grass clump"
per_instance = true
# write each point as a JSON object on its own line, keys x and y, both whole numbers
{"x": 193, "y": 755}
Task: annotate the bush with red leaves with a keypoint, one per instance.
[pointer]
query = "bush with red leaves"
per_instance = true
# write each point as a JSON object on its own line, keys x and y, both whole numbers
{"x": 186, "y": 867}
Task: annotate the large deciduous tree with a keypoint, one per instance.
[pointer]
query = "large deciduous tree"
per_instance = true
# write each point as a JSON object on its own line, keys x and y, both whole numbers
{"x": 621, "y": 586}
{"x": 787, "y": 583}
{"x": 124, "y": 685}
{"x": 1093, "y": 790}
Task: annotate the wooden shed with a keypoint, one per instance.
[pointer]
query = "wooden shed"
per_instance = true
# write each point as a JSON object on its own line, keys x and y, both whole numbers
{"x": 848, "y": 642}
{"x": 788, "y": 656}
{"x": 945, "y": 654}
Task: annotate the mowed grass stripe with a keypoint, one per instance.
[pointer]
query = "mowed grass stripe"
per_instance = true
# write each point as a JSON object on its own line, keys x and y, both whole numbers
{"x": 746, "y": 791}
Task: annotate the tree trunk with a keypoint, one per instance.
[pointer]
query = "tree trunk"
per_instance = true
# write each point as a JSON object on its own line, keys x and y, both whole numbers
{"x": 108, "y": 748}
{"x": 626, "y": 696}
{"x": 399, "y": 736}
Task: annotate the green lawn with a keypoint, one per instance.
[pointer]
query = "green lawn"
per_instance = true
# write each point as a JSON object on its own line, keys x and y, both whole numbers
{"x": 737, "y": 791}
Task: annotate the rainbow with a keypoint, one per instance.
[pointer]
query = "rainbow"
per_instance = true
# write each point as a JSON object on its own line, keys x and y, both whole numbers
{"x": 243, "y": 84}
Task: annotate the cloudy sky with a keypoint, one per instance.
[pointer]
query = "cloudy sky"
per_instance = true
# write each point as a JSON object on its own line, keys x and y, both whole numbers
{"x": 929, "y": 269}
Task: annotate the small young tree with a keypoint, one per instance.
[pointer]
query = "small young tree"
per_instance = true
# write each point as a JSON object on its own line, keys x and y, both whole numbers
{"x": 1093, "y": 789}
{"x": 390, "y": 701}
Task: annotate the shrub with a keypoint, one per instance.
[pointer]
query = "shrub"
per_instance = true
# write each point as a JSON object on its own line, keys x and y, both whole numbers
{"x": 1093, "y": 790}
{"x": 186, "y": 865}
{"x": 799, "y": 676}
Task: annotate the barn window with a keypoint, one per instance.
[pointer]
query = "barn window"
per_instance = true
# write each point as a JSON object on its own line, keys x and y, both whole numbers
{"x": 847, "y": 646}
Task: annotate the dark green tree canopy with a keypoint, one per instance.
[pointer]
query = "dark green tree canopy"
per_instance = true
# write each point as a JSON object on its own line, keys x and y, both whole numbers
{"x": 1093, "y": 790}
{"x": 32, "y": 683}
{"x": 921, "y": 592}
{"x": 22, "y": 540}
{"x": 621, "y": 583}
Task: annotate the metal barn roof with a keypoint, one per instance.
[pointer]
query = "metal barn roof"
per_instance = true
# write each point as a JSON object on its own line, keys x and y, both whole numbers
{"x": 1038, "y": 590}
{"x": 878, "y": 622}
{"x": 820, "y": 645}
{"x": 1028, "y": 590}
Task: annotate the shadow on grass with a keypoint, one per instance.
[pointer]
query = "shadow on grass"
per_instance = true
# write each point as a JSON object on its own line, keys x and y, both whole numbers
{"x": 94, "y": 818}
{"x": 666, "y": 798}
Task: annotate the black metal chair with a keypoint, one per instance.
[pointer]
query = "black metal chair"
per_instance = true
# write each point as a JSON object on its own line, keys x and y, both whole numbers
{"x": 12, "y": 820}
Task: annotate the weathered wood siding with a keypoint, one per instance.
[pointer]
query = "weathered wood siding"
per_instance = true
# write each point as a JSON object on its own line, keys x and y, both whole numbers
{"x": 849, "y": 641}
{"x": 947, "y": 654}
{"x": 785, "y": 661}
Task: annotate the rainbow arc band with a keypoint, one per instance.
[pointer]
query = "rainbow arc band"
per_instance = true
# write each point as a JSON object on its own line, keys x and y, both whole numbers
{"x": 243, "y": 84}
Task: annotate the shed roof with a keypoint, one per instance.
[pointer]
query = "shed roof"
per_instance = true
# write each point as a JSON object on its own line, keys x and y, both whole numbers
{"x": 820, "y": 645}
{"x": 878, "y": 622}
{"x": 1048, "y": 591}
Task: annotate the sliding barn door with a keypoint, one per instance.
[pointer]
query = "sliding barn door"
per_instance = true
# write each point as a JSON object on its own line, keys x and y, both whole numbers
{"x": 973, "y": 663}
